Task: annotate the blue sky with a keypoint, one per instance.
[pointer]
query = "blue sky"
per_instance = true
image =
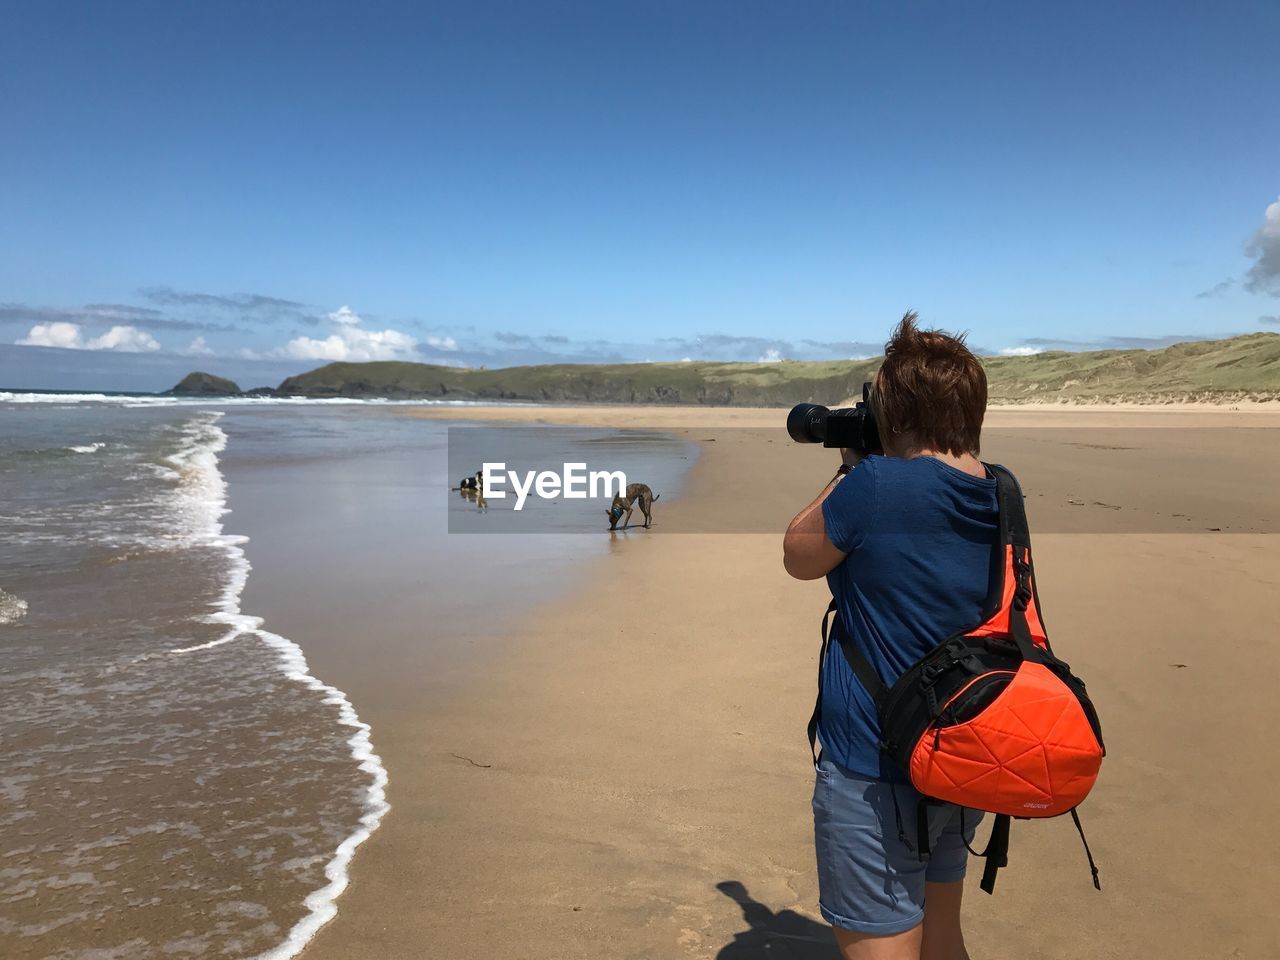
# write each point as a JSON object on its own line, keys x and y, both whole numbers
{"x": 256, "y": 188}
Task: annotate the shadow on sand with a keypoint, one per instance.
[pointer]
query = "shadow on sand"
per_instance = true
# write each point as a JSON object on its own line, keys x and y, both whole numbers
{"x": 776, "y": 936}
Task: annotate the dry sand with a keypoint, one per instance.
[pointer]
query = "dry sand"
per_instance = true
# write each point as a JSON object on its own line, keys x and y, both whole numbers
{"x": 640, "y": 748}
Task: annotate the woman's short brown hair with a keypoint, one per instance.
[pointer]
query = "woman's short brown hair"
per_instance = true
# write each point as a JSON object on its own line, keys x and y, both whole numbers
{"x": 931, "y": 389}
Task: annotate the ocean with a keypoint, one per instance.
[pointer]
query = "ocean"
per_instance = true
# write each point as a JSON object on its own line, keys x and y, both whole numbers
{"x": 174, "y": 780}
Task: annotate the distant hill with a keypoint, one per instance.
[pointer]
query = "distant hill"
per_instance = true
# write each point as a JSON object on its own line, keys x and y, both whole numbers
{"x": 742, "y": 384}
{"x": 1203, "y": 370}
{"x": 1209, "y": 370}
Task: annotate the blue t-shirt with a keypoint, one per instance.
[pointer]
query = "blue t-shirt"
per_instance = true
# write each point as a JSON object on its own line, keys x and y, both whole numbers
{"x": 920, "y": 538}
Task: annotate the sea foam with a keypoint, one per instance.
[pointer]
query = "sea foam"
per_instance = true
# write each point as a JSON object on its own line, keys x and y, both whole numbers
{"x": 12, "y": 608}
{"x": 200, "y": 508}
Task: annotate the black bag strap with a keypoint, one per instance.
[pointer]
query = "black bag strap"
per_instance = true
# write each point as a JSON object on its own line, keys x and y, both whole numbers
{"x": 1015, "y": 533}
{"x": 997, "y": 850}
{"x": 1011, "y": 505}
{"x": 817, "y": 703}
{"x": 996, "y": 853}
{"x": 862, "y": 669}
{"x": 1093, "y": 867}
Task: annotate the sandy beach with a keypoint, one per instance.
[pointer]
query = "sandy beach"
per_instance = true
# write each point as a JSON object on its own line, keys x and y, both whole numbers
{"x": 623, "y": 773}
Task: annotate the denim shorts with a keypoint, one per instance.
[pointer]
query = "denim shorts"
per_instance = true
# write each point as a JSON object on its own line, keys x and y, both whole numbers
{"x": 870, "y": 881}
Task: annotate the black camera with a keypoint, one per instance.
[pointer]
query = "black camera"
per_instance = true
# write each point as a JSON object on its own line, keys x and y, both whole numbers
{"x": 853, "y": 427}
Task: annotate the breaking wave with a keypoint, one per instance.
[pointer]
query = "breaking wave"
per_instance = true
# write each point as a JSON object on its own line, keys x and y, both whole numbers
{"x": 199, "y": 511}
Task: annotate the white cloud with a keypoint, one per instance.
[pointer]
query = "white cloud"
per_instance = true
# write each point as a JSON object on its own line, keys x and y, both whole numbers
{"x": 1020, "y": 351}
{"x": 772, "y": 355}
{"x": 442, "y": 343}
{"x": 351, "y": 341}
{"x": 68, "y": 336}
{"x": 308, "y": 348}
{"x": 345, "y": 316}
{"x": 57, "y": 334}
{"x": 1264, "y": 275}
{"x": 126, "y": 339}
{"x": 198, "y": 348}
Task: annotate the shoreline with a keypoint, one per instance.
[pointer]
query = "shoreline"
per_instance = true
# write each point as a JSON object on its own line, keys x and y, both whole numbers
{"x": 1152, "y": 403}
{"x": 626, "y": 774}
{"x": 320, "y": 904}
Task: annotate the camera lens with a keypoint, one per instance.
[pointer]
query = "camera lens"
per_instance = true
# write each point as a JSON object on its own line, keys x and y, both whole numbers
{"x": 807, "y": 423}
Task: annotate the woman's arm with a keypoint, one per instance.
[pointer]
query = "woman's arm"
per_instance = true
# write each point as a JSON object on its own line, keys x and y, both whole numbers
{"x": 807, "y": 551}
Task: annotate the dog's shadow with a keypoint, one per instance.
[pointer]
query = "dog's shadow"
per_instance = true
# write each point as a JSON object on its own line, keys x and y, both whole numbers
{"x": 614, "y": 531}
{"x": 777, "y": 936}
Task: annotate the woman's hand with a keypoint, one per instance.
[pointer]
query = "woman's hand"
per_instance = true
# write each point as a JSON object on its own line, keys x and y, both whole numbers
{"x": 851, "y": 457}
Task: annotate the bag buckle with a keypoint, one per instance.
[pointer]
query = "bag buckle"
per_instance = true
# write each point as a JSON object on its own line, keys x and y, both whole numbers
{"x": 1022, "y": 577}
{"x": 930, "y": 673}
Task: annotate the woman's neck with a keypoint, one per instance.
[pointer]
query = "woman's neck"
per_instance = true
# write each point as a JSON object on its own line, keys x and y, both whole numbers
{"x": 965, "y": 462}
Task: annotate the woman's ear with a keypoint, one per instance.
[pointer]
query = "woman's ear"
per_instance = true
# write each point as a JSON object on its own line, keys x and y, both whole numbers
{"x": 897, "y": 445}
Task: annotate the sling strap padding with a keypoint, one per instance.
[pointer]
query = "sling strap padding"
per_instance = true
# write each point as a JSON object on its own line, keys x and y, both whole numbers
{"x": 1011, "y": 503}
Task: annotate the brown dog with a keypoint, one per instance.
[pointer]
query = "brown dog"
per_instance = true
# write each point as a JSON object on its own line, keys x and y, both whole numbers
{"x": 623, "y": 504}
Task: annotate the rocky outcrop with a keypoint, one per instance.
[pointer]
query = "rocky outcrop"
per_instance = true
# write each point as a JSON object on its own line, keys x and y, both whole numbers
{"x": 201, "y": 384}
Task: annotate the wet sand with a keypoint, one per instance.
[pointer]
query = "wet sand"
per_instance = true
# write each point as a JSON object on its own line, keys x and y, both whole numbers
{"x": 629, "y": 776}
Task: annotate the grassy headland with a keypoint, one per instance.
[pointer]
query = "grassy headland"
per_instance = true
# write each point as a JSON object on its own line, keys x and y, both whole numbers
{"x": 703, "y": 383}
{"x": 1245, "y": 367}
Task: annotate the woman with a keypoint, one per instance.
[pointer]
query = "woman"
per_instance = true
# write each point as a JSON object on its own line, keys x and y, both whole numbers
{"x": 906, "y": 541}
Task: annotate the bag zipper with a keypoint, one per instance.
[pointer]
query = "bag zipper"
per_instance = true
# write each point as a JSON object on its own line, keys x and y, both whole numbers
{"x": 948, "y": 709}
